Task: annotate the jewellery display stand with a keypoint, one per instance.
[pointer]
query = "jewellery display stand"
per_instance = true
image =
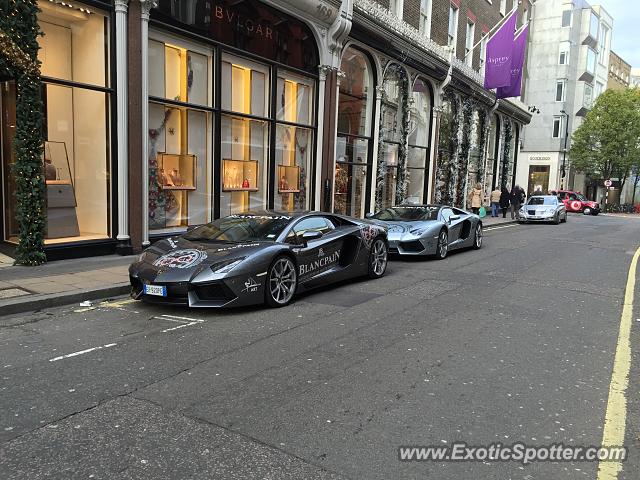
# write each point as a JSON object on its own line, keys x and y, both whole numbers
{"x": 239, "y": 175}
{"x": 176, "y": 177}
{"x": 62, "y": 218}
{"x": 288, "y": 179}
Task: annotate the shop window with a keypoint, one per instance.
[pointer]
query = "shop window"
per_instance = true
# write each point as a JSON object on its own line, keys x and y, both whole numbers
{"x": 180, "y": 171}
{"x": 355, "y": 110}
{"x": 294, "y": 144}
{"x": 76, "y": 159}
{"x": 392, "y": 115}
{"x": 419, "y": 129}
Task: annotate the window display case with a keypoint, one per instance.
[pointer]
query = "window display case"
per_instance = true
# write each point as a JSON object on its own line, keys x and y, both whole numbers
{"x": 288, "y": 179}
{"x": 176, "y": 172}
{"x": 62, "y": 218}
{"x": 239, "y": 175}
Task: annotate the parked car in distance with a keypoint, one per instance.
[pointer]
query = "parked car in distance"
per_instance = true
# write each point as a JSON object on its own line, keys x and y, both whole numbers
{"x": 543, "y": 208}
{"x": 255, "y": 258}
{"x": 576, "y": 202}
{"x": 429, "y": 229}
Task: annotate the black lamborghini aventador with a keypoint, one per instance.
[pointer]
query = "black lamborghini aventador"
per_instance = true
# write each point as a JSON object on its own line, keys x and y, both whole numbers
{"x": 254, "y": 258}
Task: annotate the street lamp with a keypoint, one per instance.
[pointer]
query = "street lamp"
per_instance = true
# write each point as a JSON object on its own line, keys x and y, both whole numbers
{"x": 563, "y": 171}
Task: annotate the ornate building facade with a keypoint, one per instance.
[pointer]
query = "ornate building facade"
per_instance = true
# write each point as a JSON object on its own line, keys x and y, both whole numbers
{"x": 161, "y": 115}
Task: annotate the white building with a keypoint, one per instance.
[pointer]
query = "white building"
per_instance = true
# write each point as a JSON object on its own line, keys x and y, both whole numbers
{"x": 568, "y": 59}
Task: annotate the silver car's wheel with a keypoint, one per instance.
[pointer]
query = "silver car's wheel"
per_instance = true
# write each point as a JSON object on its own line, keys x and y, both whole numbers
{"x": 378, "y": 258}
{"x": 477, "y": 240}
{"x": 556, "y": 219}
{"x": 443, "y": 245}
{"x": 282, "y": 282}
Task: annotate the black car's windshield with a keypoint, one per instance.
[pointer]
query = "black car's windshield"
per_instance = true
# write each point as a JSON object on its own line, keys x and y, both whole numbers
{"x": 241, "y": 228}
{"x": 408, "y": 213}
{"x": 542, "y": 201}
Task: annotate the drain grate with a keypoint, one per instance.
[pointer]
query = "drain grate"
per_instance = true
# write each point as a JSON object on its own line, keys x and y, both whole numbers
{"x": 13, "y": 292}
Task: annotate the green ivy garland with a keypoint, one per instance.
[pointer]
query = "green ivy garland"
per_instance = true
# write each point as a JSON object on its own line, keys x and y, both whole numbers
{"x": 483, "y": 134}
{"x": 19, "y": 60}
{"x": 462, "y": 165}
{"x": 506, "y": 155}
{"x": 448, "y": 149}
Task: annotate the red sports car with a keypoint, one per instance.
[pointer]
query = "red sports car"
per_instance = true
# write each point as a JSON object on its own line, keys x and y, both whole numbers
{"x": 576, "y": 202}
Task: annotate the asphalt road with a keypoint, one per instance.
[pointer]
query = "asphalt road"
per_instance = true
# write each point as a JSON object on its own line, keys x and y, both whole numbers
{"x": 511, "y": 343}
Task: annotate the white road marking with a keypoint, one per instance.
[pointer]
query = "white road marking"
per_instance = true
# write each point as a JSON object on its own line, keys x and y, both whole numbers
{"x": 82, "y": 352}
{"x": 488, "y": 229}
{"x": 180, "y": 326}
{"x": 197, "y": 320}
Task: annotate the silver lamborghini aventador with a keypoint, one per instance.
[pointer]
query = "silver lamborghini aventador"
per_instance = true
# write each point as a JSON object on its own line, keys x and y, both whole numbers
{"x": 429, "y": 229}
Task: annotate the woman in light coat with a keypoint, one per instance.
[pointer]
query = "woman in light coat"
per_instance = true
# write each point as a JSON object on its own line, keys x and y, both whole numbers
{"x": 475, "y": 198}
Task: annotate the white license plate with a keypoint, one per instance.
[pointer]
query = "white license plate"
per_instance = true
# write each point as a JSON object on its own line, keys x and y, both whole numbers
{"x": 157, "y": 290}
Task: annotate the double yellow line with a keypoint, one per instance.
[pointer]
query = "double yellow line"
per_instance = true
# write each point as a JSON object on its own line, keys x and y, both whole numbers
{"x": 616, "y": 417}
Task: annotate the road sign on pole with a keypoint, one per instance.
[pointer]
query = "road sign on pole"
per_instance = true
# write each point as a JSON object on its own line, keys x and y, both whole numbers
{"x": 608, "y": 183}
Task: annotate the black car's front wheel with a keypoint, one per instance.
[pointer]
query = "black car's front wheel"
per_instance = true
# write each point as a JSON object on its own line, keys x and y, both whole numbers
{"x": 378, "y": 258}
{"x": 282, "y": 281}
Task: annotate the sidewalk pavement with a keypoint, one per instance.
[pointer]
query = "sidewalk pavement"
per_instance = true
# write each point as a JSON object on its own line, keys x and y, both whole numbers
{"x": 62, "y": 282}
{"x": 25, "y": 289}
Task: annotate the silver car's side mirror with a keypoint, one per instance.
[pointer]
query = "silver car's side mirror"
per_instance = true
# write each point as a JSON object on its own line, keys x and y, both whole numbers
{"x": 368, "y": 215}
{"x": 454, "y": 217}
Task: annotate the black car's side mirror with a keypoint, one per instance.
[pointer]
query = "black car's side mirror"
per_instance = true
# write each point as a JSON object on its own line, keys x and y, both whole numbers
{"x": 368, "y": 215}
{"x": 311, "y": 235}
{"x": 192, "y": 227}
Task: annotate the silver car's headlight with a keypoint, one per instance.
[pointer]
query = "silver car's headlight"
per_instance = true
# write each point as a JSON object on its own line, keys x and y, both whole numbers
{"x": 418, "y": 231}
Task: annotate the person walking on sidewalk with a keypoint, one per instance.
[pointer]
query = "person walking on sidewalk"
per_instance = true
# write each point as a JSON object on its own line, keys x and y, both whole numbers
{"x": 515, "y": 198}
{"x": 494, "y": 199}
{"x": 504, "y": 201}
{"x": 475, "y": 198}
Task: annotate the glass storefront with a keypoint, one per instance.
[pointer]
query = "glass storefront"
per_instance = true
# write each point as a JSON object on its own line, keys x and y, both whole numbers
{"x": 253, "y": 144}
{"x": 391, "y": 133}
{"x": 74, "y": 51}
{"x": 419, "y": 134}
{"x": 179, "y": 137}
{"x": 355, "y": 110}
{"x": 538, "y": 179}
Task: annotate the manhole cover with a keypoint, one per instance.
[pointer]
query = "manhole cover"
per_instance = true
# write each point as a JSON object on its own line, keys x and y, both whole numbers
{"x": 13, "y": 292}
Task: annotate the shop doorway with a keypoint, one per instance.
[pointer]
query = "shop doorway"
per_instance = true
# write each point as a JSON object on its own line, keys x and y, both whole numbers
{"x": 538, "y": 179}
{"x": 7, "y": 135}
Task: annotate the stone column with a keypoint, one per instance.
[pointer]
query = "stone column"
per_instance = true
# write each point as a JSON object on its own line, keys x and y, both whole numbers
{"x": 147, "y": 5}
{"x": 376, "y": 143}
{"x": 433, "y": 164}
{"x": 323, "y": 71}
{"x": 124, "y": 243}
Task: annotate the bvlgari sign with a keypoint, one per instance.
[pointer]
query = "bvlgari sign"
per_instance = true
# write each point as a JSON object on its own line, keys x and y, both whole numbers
{"x": 249, "y": 25}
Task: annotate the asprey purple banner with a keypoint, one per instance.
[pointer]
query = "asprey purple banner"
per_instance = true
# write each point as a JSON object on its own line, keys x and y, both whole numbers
{"x": 497, "y": 72}
{"x": 519, "y": 47}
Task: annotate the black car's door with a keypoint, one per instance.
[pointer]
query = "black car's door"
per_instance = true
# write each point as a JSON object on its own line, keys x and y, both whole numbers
{"x": 316, "y": 256}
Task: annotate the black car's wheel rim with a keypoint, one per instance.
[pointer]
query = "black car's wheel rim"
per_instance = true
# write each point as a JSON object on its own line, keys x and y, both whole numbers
{"x": 282, "y": 281}
{"x": 443, "y": 244}
{"x": 378, "y": 257}
{"x": 478, "y": 236}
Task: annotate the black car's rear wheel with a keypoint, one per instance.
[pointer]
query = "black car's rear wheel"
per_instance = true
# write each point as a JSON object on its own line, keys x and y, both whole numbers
{"x": 443, "y": 245}
{"x": 378, "y": 257}
{"x": 282, "y": 281}
{"x": 477, "y": 239}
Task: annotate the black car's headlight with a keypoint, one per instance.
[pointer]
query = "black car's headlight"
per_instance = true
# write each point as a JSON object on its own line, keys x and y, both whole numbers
{"x": 226, "y": 265}
{"x": 147, "y": 256}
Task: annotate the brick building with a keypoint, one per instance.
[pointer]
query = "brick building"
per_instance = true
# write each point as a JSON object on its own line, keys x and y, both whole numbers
{"x": 619, "y": 73}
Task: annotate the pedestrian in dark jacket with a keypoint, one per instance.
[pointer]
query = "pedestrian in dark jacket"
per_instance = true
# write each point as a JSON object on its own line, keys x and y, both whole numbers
{"x": 504, "y": 201}
{"x": 515, "y": 198}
